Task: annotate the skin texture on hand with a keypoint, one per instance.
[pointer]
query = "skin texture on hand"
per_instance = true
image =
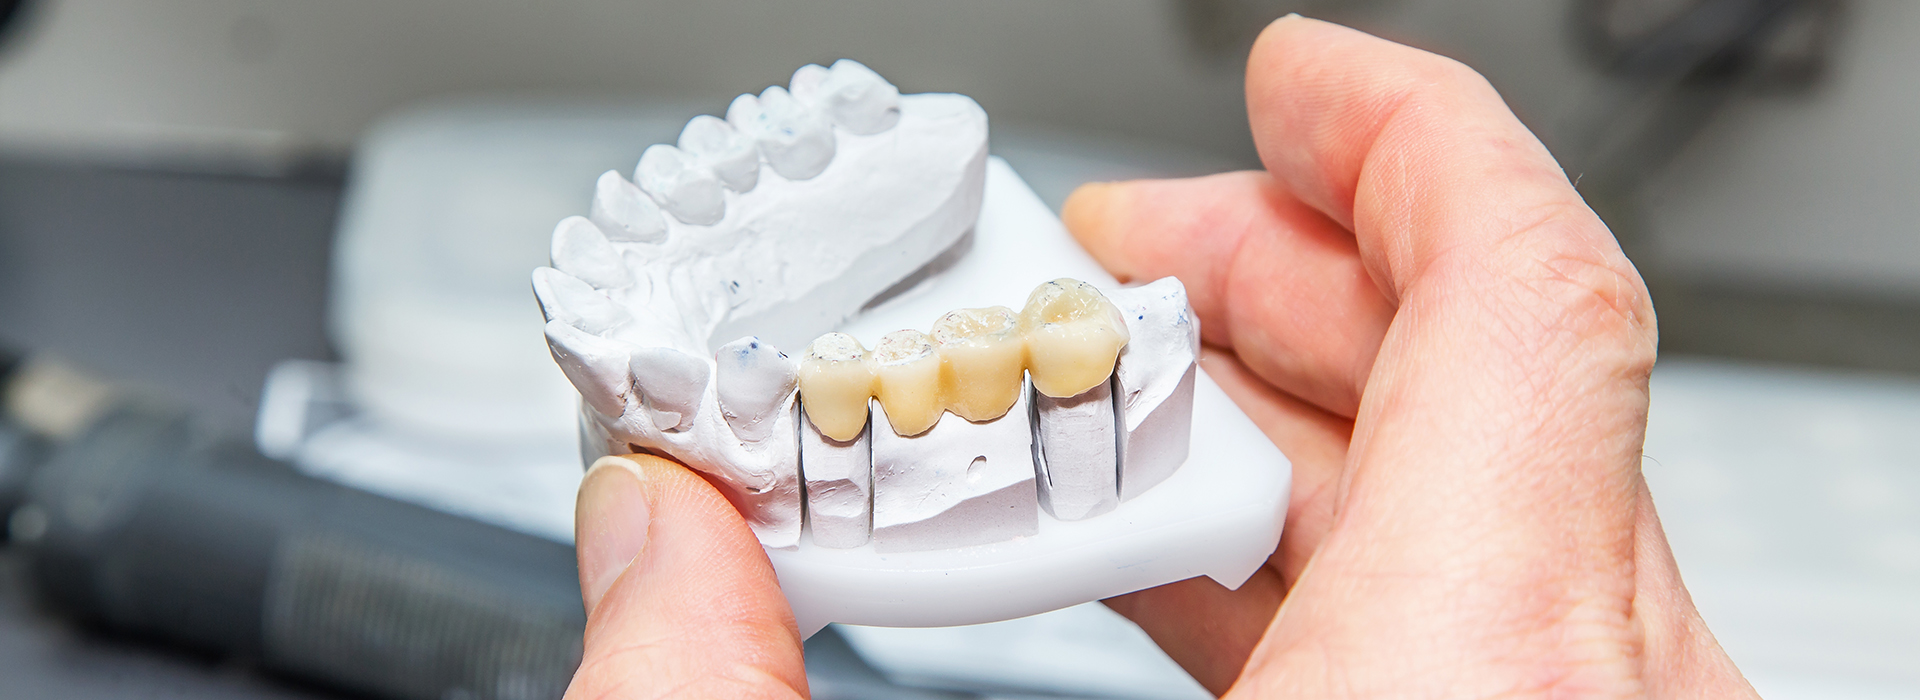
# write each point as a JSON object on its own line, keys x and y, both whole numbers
{"x": 1418, "y": 308}
{"x": 1448, "y": 344}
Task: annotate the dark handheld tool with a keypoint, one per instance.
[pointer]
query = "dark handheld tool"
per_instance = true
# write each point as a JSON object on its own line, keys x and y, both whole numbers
{"x": 139, "y": 523}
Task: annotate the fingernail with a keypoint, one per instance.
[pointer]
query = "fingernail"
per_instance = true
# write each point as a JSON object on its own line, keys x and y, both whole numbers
{"x": 610, "y": 527}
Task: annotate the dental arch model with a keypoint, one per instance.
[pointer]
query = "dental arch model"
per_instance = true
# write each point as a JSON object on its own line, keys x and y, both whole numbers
{"x": 784, "y": 221}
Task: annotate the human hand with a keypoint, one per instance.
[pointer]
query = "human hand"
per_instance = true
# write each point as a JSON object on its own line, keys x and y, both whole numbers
{"x": 1422, "y": 313}
{"x": 1420, "y": 310}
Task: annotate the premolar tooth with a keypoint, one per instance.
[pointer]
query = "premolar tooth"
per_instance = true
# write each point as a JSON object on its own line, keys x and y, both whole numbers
{"x": 982, "y": 355}
{"x": 597, "y": 366}
{"x": 796, "y": 140}
{"x": 733, "y": 156}
{"x": 906, "y": 374}
{"x": 624, "y": 213}
{"x": 582, "y": 250}
{"x": 670, "y": 383}
{"x": 835, "y": 383}
{"x": 858, "y": 99}
{"x": 754, "y": 383}
{"x": 805, "y": 85}
{"x": 567, "y": 299}
{"x": 1154, "y": 380}
{"x": 1073, "y": 336}
{"x": 682, "y": 185}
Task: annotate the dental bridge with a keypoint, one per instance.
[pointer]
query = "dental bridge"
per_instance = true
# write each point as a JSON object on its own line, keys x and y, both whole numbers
{"x": 1004, "y": 463}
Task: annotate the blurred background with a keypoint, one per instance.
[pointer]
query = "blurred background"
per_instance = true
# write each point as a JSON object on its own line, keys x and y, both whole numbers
{"x": 282, "y": 424}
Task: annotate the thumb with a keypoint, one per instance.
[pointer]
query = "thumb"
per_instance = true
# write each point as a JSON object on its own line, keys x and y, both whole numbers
{"x": 681, "y": 600}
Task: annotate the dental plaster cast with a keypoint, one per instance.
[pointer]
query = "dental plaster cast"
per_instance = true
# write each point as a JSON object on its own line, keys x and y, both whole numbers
{"x": 902, "y": 484}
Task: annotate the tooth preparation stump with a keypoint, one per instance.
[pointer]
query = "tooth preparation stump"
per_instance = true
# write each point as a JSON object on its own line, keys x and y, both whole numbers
{"x": 1006, "y": 461}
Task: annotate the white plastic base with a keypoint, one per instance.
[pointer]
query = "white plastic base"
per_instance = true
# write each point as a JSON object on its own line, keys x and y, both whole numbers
{"x": 1219, "y": 515}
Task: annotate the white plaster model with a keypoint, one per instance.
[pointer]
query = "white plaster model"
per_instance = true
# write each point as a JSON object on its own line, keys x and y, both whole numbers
{"x": 1155, "y": 380}
{"x": 1077, "y": 453}
{"x": 959, "y": 484}
{"x": 925, "y": 461}
{"x": 839, "y": 478}
{"x": 643, "y": 288}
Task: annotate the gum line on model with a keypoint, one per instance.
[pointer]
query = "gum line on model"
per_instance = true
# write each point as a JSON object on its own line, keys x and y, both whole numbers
{"x": 963, "y": 449}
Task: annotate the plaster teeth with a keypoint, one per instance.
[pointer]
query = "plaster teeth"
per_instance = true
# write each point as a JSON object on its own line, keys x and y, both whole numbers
{"x": 982, "y": 357}
{"x": 582, "y": 250}
{"x": 796, "y": 140}
{"x": 835, "y": 382}
{"x": 733, "y": 156}
{"x": 906, "y": 374}
{"x": 670, "y": 383}
{"x": 1154, "y": 379}
{"x": 805, "y": 85}
{"x": 839, "y": 478}
{"x": 1073, "y": 337}
{"x": 567, "y": 299}
{"x": 754, "y": 382}
{"x": 597, "y": 366}
{"x": 858, "y": 99}
{"x": 681, "y": 184}
{"x": 624, "y": 212}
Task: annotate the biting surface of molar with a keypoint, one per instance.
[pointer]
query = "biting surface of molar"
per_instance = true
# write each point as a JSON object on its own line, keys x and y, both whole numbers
{"x": 960, "y": 484}
{"x": 906, "y": 374}
{"x": 624, "y": 213}
{"x": 1073, "y": 336}
{"x": 570, "y": 300}
{"x": 839, "y": 476}
{"x": 754, "y": 382}
{"x": 795, "y": 139}
{"x": 597, "y": 366}
{"x": 733, "y": 156}
{"x": 1077, "y": 452}
{"x": 1154, "y": 379}
{"x": 681, "y": 184}
{"x": 982, "y": 358}
{"x": 670, "y": 383}
{"x": 858, "y": 99}
{"x": 582, "y": 250}
{"x": 835, "y": 382}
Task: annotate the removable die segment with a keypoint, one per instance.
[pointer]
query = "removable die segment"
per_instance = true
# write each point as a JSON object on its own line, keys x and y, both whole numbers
{"x": 839, "y": 486}
{"x": 1077, "y": 452}
{"x": 957, "y": 485}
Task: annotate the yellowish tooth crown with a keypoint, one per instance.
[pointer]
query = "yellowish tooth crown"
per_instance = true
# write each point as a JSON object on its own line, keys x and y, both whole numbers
{"x": 1067, "y": 338}
{"x": 981, "y": 357}
{"x": 1073, "y": 337}
{"x": 835, "y": 382}
{"x": 907, "y": 374}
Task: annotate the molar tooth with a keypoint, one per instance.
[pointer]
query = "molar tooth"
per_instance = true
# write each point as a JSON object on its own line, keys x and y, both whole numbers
{"x": 906, "y": 374}
{"x": 858, "y": 99}
{"x": 835, "y": 383}
{"x": 625, "y": 213}
{"x": 567, "y": 299}
{"x": 1073, "y": 337}
{"x": 982, "y": 355}
{"x": 582, "y": 250}
{"x": 597, "y": 366}
{"x": 754, "y": 383}
{"x": 670, "y": 383}
{"x": 682, "y": 185}
{"x": 796, "y": 140}
{"x": 734, "y": 157}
